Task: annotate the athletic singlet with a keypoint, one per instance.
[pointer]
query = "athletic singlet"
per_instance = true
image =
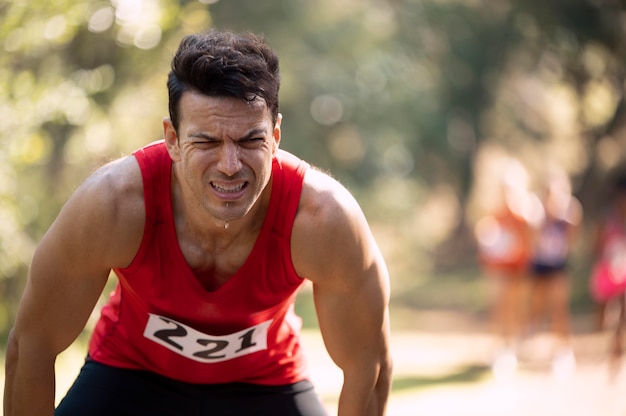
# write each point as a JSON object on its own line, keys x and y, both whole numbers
{"x": 505, "y": 245}
{"x": 161, "y": 319}
{"x": 608, "y": 277}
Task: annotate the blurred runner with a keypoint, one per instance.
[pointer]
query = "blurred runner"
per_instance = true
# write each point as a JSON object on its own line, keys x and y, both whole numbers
{"x": 608, "y": 279}
{"x": 554, "y": 231}
{"x": 504, "y": 243}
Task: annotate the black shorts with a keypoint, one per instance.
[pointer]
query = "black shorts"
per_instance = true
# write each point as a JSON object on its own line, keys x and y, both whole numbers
{"x": 546, "y": 271}
{"x": 101, "y": 390}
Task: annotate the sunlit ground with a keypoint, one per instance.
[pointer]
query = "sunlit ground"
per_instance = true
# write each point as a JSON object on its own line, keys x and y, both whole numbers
{"x": 446, "y": 373}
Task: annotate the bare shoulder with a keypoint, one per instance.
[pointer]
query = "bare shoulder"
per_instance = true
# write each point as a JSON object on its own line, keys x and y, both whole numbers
{"x": 331, "y": 234}
{"x": 106, "y": 213}
{"x": 117, "y": 185}
{"x": 323, "y": 197}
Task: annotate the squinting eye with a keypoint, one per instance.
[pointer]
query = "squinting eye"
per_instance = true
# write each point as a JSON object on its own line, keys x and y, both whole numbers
{"x": 254, "y": 141}
{"x": 203, "y": 142}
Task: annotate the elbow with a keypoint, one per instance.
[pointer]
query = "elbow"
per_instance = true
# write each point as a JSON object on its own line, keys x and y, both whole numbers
{"x": 11, "y": 351}
{"x": 10, "y": 359}
{"x": 387, "y": 366}
{"x": 385, "y": 372}
{"x": 382, "y": 389}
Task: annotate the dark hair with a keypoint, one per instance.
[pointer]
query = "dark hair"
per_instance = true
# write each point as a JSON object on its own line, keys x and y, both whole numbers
{"x": 224, "y": 64}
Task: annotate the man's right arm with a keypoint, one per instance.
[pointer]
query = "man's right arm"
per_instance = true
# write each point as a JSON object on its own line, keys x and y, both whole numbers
{"x": 99, "y": 228}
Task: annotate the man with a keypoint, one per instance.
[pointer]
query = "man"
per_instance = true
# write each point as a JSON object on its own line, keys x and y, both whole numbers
{"x": 210, "y": 232}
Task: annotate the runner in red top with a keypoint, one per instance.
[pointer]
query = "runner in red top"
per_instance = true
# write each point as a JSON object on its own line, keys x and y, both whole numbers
{"x": 159, "y": 316}
{"x": 210, "y": 234}
{"x": 504, "y": 242}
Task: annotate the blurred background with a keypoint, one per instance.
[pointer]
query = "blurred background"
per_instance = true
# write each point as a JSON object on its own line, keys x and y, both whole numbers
{"x": 417, "y": 106}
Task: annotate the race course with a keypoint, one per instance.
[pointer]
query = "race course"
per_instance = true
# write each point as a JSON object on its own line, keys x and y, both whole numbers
{"x": 447, "y": 373}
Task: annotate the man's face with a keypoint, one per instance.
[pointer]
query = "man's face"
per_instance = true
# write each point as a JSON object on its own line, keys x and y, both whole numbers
{"x": 222, "y": 153}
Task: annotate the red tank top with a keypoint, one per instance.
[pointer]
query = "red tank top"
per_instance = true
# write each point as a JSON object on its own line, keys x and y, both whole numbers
{"x": 161, "y": 319}
{"x": 506, "y": 243}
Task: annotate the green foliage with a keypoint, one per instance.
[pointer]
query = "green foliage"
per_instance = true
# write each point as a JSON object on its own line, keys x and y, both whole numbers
{"x": 397, "y": 99}
{"x": 80, "y": 83}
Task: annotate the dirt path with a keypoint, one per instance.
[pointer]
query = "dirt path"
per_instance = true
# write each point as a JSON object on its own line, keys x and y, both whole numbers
{"x": 448, "y": 374}
{"x": 461, "y": 383}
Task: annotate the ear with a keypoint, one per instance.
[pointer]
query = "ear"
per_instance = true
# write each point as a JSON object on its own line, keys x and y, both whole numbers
{"x": 277, "y": 133}
{"x": 171, "y": 139}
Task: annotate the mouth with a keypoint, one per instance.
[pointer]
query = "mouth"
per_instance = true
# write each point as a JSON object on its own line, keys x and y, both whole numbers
{"x": 225, "y": 188}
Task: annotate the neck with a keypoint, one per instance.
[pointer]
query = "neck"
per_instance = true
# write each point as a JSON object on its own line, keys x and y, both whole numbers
{"x": 194, "y": 219}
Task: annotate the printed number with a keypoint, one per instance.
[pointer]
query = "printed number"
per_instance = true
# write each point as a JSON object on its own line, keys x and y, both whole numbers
{"x": 246, "y": 340}
{"x": 167, "y": 334}
{"x": 208, "y": 354}
{"x": 193, "y": 344}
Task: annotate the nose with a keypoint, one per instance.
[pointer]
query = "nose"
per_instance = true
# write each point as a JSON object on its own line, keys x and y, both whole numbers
{"x": 229, "y": 161}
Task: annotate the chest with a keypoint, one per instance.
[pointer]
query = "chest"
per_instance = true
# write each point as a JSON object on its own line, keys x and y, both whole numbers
{"x": 214, "y": 264}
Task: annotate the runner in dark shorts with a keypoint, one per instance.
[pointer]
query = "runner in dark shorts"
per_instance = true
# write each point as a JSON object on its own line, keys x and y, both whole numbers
{"x": 555, "y": 231}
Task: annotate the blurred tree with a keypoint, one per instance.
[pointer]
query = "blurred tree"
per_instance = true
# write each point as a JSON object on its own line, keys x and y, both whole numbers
{"x": 398, "y": 98}
{"x": 80, "y": 83}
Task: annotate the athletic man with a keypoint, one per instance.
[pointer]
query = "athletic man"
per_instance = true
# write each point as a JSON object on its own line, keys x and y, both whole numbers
{"x": 210, "y": 232}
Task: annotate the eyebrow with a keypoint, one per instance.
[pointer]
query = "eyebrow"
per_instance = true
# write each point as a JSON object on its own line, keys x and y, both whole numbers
{"x": 249, "y": 135}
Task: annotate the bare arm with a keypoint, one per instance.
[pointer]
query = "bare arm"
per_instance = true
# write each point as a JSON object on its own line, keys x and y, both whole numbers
{"x": 70, "y": 267}
{"x": 334, "y": 248}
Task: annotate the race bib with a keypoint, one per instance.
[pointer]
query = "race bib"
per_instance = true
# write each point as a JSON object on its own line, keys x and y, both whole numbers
{"x": 205, "y": 348}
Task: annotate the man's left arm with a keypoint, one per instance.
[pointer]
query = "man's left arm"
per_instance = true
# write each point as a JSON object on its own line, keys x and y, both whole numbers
{"x": 354, "y": 323}
{"x": 351, "y": 293}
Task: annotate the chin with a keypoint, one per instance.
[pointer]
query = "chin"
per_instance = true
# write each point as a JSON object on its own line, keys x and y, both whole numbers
{"x": 231, "y": 215}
